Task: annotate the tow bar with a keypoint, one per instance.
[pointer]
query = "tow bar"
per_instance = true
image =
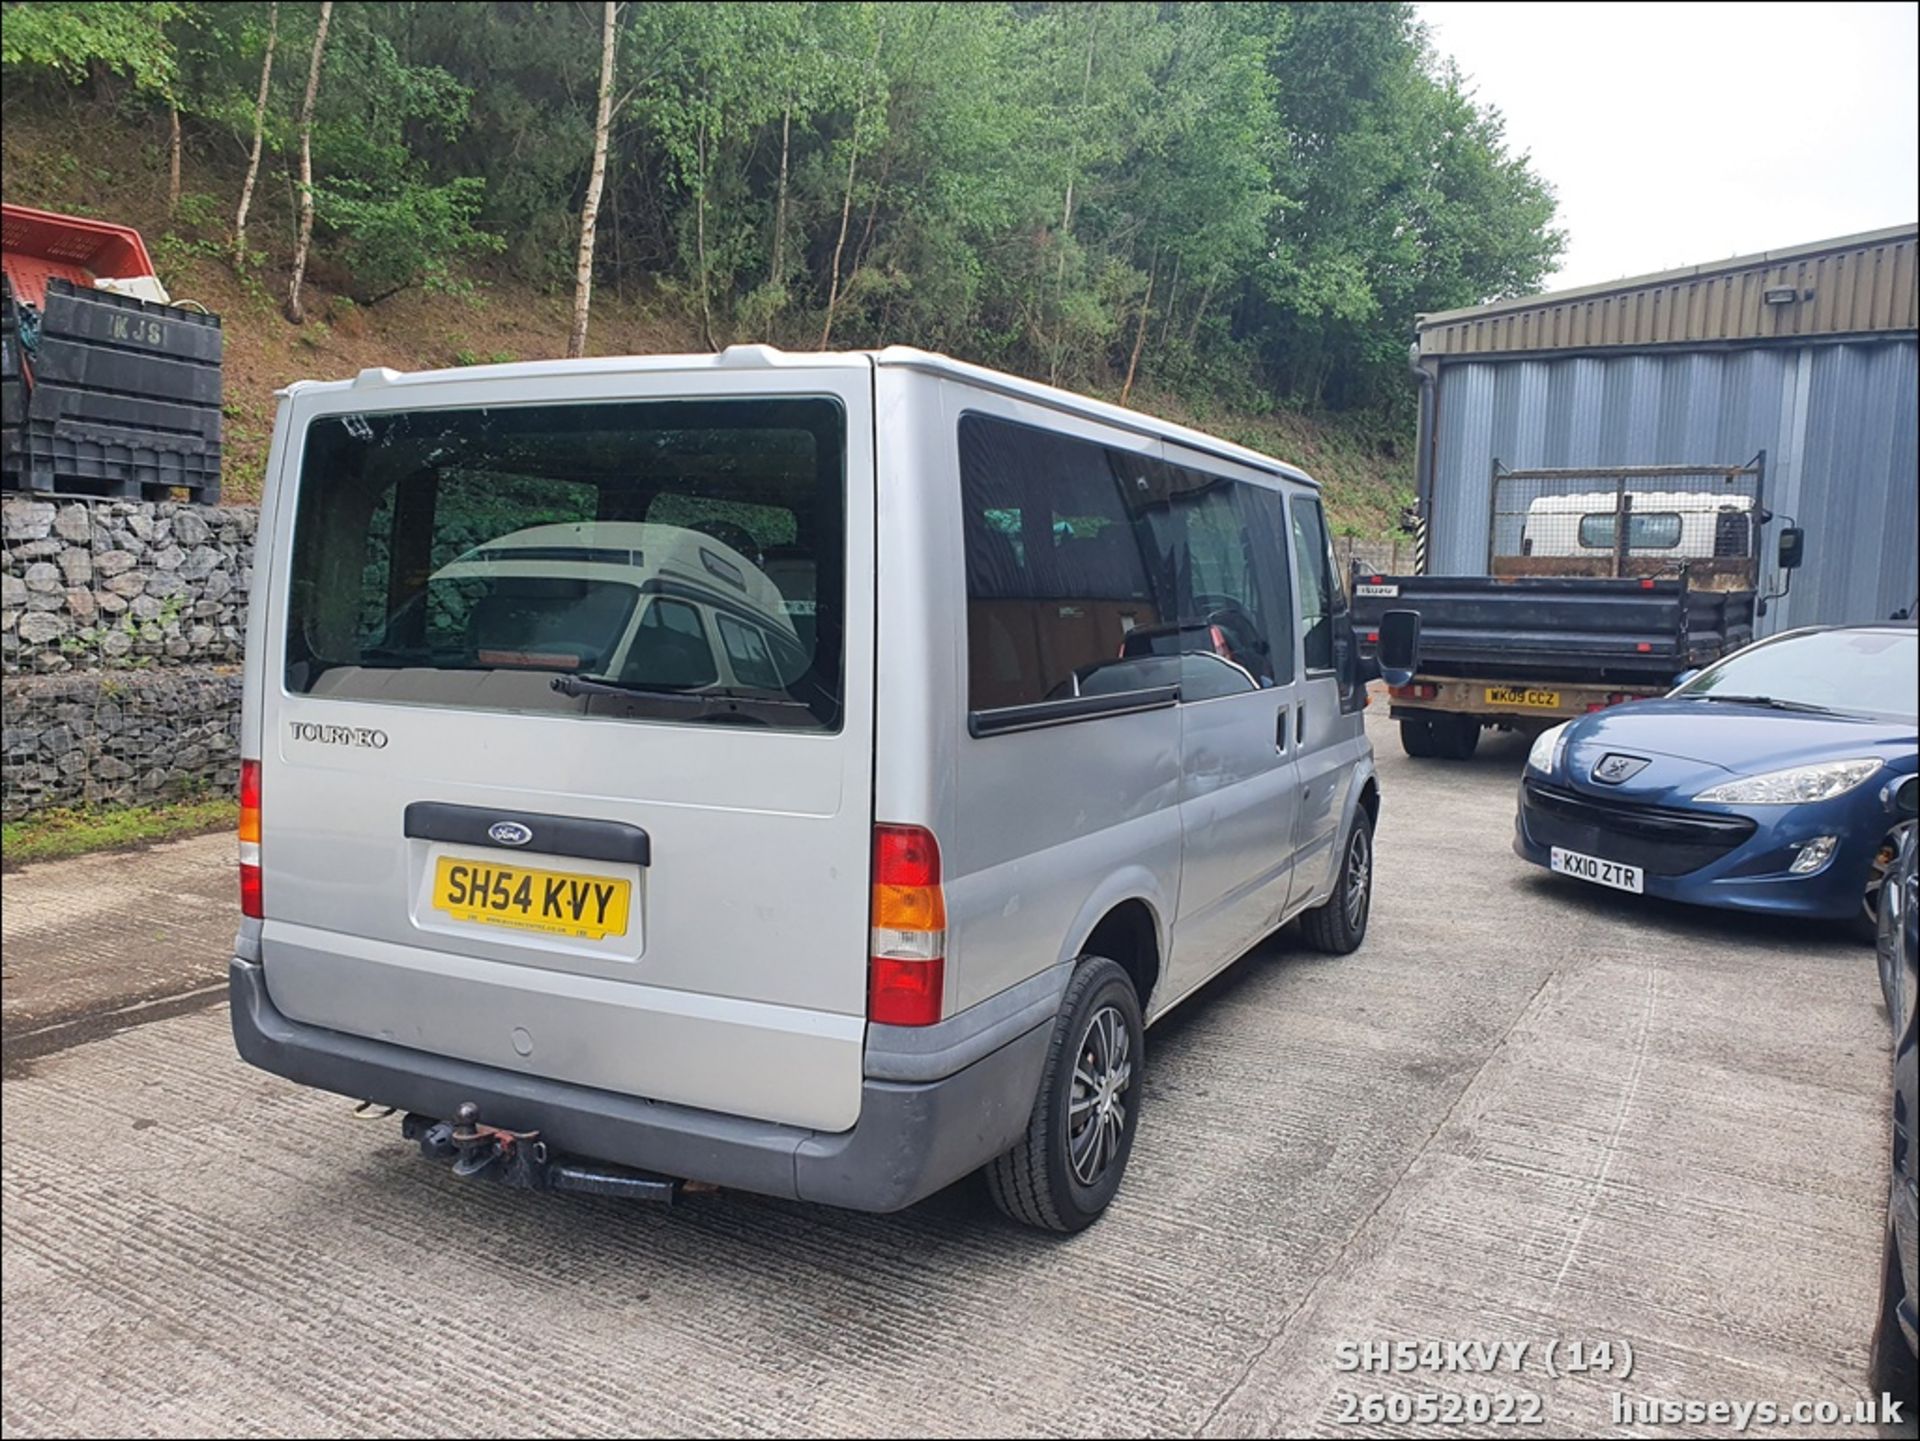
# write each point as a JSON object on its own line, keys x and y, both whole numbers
{"x": 522, "y": 1160}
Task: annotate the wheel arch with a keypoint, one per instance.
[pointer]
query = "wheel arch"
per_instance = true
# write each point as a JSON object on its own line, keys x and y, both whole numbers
{"x": 1370, "y": 799}
{"x": 1125, "y": 921}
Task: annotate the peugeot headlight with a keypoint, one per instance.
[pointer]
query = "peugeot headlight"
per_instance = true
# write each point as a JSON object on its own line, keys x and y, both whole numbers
{"x": 1547, "y": 746}
{"x": 1789, "y": 787}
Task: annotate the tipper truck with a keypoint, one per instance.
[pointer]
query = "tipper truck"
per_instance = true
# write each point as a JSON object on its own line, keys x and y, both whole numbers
{"x": 1605, "y": 587}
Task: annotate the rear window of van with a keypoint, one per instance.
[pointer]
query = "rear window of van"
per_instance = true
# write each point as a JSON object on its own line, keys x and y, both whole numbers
{"x": 659, "y": 560}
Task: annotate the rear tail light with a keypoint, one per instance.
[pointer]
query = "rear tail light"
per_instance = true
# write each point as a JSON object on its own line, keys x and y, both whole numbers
{"x": 906, "y": 980}
{"x": 1618, "y": 697}
{"x": 250, "y": 904}
{"x": 1423, "y": 690}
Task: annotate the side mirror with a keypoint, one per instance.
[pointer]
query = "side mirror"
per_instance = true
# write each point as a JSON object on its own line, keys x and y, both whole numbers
{"x": 1793, "y": 547}
{"x": 1399, "y": 647}
{"x": 1905, "y": 800}
{"x": 1684, "y": 677}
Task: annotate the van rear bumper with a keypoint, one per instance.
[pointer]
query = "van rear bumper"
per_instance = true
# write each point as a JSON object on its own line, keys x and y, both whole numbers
{"x": 910, "y": 1141}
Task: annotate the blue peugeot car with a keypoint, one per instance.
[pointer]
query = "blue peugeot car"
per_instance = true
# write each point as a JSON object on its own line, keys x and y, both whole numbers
{"x": 1765, "y": 782}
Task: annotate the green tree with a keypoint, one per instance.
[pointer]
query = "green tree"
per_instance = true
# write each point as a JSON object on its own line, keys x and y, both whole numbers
{"x": 393, "y": 221}
{"x": 1382, "y": 166}
{"x": 78, "y": 41}
{"x": 1242, "y": 202}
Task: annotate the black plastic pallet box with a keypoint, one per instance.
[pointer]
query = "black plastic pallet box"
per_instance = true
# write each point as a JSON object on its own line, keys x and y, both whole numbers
{"x": 121, "y": 398}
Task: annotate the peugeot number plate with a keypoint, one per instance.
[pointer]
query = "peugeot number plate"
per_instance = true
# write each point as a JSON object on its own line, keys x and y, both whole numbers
{"x": 1601, "y": 873}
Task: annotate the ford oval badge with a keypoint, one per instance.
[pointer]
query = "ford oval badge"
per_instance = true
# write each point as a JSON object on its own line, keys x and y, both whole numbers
{"x": 509, "y": 833}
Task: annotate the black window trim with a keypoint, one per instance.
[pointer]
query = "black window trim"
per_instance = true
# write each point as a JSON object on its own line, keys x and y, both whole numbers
{"x": 1007, "y": 719}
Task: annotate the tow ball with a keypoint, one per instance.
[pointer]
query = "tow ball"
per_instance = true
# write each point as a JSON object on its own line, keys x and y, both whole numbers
{"x": 517, "y": 1158}
{"x": 522, "y": 1160}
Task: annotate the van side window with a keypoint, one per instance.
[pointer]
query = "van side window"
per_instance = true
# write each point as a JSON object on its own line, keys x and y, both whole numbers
{"x": 1059, "y": 571}
{"x": 1205, "y": 527}
{"x": 1317, "y": 585}
{"x": 1093, "y": 571}
{"x": 1267, "y": 529}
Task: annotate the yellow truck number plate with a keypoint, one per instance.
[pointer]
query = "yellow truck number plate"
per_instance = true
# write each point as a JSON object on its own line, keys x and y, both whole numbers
{"x": 1524, "y": 698}
{"x": 556, "y": 902}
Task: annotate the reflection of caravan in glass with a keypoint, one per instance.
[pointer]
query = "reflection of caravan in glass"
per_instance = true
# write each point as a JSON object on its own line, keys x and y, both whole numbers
{"x": 1681, "y": 525}
{"x": 668, "y": 606}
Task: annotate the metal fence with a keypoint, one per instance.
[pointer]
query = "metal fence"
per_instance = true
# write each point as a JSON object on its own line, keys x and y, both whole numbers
{"x": 1397, "y": 556}
{"x": 1627, "y": 520}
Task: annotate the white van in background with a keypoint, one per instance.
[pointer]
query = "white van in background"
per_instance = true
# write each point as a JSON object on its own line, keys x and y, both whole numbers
{"x": 808, "y": 774}
{"x": 1679, "y": 524}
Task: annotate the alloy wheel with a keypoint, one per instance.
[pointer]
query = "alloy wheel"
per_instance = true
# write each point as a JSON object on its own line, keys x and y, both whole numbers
{"x": 1097, "y": 1109}
{"x": 1359, "y": 878}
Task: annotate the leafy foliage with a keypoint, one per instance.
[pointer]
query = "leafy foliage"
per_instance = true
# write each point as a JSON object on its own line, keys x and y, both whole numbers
{"x": 411, "y": 234}
{"x": 1256, "y": 199}
{"x": 71, "y": 38}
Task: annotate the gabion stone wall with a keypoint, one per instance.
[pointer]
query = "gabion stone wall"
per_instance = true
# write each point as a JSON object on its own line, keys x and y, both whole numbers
{"x": 118, "y": 737}
{"x": 108, "y": 584}
{"x": 121, "y": 629}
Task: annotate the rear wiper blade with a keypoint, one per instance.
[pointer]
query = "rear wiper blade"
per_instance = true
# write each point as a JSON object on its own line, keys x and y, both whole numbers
{"x": 595, "y": 685}
{"x": 1772, "y": 702}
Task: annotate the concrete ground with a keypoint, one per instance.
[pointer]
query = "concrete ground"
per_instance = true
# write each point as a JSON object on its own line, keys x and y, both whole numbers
{"x": 1526, "y": 1111}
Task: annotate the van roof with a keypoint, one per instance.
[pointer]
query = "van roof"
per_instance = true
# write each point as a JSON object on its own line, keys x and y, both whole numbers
{"x": 767, "y": 357}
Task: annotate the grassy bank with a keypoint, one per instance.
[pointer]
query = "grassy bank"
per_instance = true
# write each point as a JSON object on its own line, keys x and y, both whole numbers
{"x": 1364, "y": 461}
{"x": 79, "y": 831}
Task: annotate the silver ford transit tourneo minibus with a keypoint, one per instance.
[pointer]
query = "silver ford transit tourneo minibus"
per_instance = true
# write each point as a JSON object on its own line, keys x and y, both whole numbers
{"x": 809, "y": 774}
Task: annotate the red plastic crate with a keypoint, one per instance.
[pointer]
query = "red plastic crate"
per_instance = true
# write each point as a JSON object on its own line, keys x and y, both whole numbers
{"x": 36, "y": 245}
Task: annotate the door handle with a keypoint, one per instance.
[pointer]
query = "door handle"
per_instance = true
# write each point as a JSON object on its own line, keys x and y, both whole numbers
{"x": 1299, "y": 725}
{"x": 1280, "y": 731}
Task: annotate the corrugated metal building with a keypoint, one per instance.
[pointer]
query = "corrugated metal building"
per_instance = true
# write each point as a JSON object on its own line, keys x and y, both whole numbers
{"x": 1806, "y": 354}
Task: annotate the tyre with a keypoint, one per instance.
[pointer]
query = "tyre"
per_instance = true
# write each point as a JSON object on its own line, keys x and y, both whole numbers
{"x": 1864, "y": 924}
{"x": 1891, "y": 1366}
{"x": 1067, "y": 1167}
{"x": 1339, "y": 924}
{"x": 1456, "y": 737}
{"x": 1416, "y": 737}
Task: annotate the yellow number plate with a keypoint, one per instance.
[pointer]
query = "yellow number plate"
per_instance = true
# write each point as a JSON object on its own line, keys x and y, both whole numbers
{"x": 557, "y": 902}
{"x": 1526, "y": 699}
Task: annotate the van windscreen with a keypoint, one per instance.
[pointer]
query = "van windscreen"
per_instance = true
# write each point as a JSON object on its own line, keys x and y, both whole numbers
{"x": 649, "y": 560}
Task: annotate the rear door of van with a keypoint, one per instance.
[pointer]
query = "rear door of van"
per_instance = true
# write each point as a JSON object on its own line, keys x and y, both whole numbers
{"x": 526, "y": 799}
